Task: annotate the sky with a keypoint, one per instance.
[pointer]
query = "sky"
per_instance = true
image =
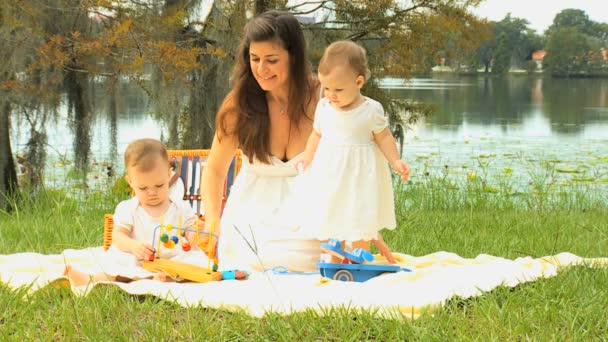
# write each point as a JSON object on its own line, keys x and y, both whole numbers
{"x": 540, "y": 13}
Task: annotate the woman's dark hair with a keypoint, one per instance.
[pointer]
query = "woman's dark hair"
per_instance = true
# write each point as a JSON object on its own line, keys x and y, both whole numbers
{"x": 247, "y": 100}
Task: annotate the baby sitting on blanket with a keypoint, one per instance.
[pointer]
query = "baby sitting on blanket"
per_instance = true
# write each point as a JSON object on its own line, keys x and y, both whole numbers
{"x": 148, "y": 174}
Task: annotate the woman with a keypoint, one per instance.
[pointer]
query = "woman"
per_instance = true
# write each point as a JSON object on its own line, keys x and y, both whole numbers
{"x": 269, "y": 115}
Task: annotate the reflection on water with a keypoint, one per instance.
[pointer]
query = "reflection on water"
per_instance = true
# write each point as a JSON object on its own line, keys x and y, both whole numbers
{"x": 114, "y": 123}
{"x": 520, "y": 105}
{"x": 509, "y": 128}
{"x": 493, "y": 123}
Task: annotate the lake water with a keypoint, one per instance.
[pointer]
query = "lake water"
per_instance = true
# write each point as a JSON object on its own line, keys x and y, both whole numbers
{"x": 497, "y": 128}
{"x": 510, "y": 127}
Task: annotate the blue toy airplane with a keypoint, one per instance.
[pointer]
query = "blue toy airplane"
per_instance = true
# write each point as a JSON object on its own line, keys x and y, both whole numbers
{"x": 354, "y": 266}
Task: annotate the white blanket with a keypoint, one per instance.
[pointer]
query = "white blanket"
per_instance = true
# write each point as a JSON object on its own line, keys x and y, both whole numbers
{"x": 435, "y": 278}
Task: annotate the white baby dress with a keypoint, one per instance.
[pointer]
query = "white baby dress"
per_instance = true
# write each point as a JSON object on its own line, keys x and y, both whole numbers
{"x": 348, "y": 188}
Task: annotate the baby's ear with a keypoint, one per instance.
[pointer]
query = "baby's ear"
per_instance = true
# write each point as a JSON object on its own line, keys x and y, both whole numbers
{"x": 360, "y": 81}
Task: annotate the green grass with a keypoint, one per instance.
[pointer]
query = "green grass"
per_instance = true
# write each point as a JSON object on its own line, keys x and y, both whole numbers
{"x": 570, "y": 306}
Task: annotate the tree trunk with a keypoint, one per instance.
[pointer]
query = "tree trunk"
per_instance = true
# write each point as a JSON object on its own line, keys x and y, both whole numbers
{"x": 203, "y": 105}
{"x": 210, "y": 84}
{"x": 260, "y": 6}
{"x": 77, "y": 85}
{"x": 8, "y": 175}
{"x": 113, "y": 113}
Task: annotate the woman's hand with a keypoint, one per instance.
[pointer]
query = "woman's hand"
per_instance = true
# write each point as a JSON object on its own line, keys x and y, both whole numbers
{"x": 303, "y": 161}
{"x": 208, "y": 242}
{"x": 401, "y": 168}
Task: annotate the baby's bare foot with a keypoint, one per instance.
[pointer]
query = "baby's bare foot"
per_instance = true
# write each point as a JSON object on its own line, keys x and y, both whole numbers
{"x": 161, "y": 277}
{"x": 78, "y": 278}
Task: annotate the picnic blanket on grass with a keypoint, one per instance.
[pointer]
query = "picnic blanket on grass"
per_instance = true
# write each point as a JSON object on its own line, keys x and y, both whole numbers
{"x": 435, "y": 278}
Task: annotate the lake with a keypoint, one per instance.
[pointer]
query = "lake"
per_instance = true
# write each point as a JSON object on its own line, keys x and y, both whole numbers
{"x": 510, "y": 127}
{"x": 493, "y": 127}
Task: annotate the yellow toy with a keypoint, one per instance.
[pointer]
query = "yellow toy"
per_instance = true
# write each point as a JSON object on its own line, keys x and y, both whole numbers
{"x": 180, "y": 270}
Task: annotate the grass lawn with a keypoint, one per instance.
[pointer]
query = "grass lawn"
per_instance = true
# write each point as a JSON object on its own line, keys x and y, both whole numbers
{"x": 570, "y": 306}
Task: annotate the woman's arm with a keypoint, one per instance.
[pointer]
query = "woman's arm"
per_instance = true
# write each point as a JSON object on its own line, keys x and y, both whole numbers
{"x": 313, "y": 139}
{"x": 309, "y": 152}
{"x": 214, "y": 174}
{"x": 216, "y": 168}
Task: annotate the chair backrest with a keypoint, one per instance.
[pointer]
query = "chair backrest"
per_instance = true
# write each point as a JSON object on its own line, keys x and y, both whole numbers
{"x": 189, "y": 165}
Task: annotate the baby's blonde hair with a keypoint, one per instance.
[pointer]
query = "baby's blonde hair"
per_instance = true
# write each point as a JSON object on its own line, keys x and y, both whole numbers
{"x": 142, "y": 154}
{"x": 345, "y": 52}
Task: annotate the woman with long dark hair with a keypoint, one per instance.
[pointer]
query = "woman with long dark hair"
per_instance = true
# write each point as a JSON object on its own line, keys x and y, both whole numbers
{"x": 268, "y": 114}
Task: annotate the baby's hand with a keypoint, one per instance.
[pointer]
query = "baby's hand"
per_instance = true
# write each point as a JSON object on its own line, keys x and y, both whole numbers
{"x": 142, "y": 250}
{"x": 401, "y": 168}
{"x": 384, "y": 249}
{"x": 190, "y": 236}
{"x": 301, "y": 164}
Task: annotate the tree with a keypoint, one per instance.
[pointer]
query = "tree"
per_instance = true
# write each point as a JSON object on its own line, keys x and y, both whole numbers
{"x": 8, "y": 176}
{"x": 183, "y": 62}
{"x": 567, "y": 51}
{"x": 485, "y": 53}
{"x": 402, "y": 38}
{"x": 70, "y": 43}
{"x": 572, "y": 18}
{"x": 575, "y": 45}
{"x": 14, "y": 38}
{"x": 502, "y": 56}
{"x": 208, "y": 82}
{"x": 518, "y": 42}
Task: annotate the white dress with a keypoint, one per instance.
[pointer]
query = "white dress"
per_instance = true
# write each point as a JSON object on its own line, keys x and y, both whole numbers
{"x": 253, "y": 237}
{"x": 349, "y": 193}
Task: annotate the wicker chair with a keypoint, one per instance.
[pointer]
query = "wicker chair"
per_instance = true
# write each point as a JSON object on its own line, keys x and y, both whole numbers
{"x": 188, "y": 166}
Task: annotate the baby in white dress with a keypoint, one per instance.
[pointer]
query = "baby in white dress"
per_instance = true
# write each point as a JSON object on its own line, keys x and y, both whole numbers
{"x": 348, "y": 187}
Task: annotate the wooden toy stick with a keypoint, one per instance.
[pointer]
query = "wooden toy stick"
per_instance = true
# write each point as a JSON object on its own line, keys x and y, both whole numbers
{"x": 195, "y": 242}
{"x": 160, "y": 232}
{"x": 179, "y": 228}
{"x": 210, "y": 244}
{"x": 338, "y": 256}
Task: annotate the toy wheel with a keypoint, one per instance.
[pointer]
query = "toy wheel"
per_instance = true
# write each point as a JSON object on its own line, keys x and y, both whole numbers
{"x": 344, "y": 275}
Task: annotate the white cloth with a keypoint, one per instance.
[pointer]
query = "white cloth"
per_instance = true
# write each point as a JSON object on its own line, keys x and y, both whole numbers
{"x": 143, "y": 227}
{"x": 435, "y": 279}
{"x": 347, "y": 191}
{"x": 252, "y": 238}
